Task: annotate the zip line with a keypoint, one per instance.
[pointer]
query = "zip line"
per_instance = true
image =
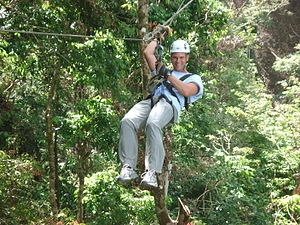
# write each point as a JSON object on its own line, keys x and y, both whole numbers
{"x": 170, "y": 20}
{"x": 167, "y": 23}
{"x": 68, "y": 35}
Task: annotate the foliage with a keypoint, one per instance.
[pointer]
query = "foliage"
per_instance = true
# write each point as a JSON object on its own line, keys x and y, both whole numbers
{"x": 290, "y": 63}
{"x": 109, "y": 203}
{"x": 201, "y": 24}
{"x": 23, "y": 190}
{"x": 287, "y": 210}
{"x": 20, "y": 130}
{"x": 258, "y": 11}
{"x": 93, "y": 122}
{"x": 242, "y": 152}
{"x": 235, "y": 152}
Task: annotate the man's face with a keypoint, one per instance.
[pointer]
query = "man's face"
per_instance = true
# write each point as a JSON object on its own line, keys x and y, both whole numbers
{"x": 179, "y": 59}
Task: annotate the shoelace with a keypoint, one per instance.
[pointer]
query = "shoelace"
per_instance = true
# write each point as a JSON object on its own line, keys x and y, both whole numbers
{"x": 151, "y": 174}
{"x": 126, "y": 170}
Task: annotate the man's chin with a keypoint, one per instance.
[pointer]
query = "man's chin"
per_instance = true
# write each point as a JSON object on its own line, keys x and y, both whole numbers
{"x": 179, "y": 69}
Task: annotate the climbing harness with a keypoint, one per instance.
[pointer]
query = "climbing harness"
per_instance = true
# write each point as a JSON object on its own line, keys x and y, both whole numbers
{"x": 170, "y": 87}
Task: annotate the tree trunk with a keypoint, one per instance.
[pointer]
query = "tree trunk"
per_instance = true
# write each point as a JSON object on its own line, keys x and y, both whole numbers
{"x": 161, "y": 193}
{"x": 163, "y": 179}
{"x": 53, "y": 171}
{"x": 83, "y": 153}
{"x": 143, "y": 6}
{"x": 56, "y": 169}
{"x": 296, "y": 190}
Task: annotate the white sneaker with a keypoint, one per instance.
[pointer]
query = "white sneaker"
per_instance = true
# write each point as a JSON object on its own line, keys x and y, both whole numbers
{"x": 127, "y": 174}
{"x": 149, "y": 179}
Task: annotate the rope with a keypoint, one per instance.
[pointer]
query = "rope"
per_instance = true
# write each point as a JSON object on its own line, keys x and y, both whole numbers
{"x": 170, "y": 20}
{"x": 167, "y": 23}
{"x": 68, "y": 35}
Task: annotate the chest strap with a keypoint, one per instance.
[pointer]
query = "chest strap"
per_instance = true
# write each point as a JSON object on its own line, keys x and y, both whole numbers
{"x": 170, "y": 87}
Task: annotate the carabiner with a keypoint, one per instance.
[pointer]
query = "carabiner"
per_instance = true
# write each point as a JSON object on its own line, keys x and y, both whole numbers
{"x": 159, "y": 50}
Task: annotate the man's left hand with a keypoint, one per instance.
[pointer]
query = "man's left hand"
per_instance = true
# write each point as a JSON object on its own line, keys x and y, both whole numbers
{"x": 163, "y": 71}
{"x": 161, "y": 31}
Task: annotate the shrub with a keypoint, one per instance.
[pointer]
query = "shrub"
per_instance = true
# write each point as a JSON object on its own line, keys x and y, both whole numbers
{"x": 110, "y": 203}
{"x": 22, "y": 192}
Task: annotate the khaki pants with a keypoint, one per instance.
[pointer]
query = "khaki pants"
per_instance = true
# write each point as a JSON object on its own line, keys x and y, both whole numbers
{"x": 142, "y": 116}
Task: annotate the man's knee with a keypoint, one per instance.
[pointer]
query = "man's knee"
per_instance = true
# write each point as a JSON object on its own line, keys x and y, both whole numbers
{"x": 152, "y": 125}
{"x": 127, "y": 122}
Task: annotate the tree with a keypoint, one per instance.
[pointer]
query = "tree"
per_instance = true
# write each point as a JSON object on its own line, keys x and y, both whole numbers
{"x": 52, "y": 150}
{"x": 160, "y": 194}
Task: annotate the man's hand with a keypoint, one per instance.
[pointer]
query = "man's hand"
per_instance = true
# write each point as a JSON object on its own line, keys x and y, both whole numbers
{"x": 161, "y": 31}
{"x": 162, "y": 70}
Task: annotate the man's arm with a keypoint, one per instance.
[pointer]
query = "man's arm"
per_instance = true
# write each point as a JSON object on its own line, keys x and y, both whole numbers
{"x": 149, "y": 54}
{"x": 186, "y": 89}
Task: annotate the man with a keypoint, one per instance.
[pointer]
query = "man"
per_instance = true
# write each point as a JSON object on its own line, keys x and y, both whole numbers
{"x": 155, "y": 113}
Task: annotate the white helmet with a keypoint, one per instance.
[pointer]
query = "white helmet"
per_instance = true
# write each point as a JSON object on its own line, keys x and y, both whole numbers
{"x": 180, "y": 46}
